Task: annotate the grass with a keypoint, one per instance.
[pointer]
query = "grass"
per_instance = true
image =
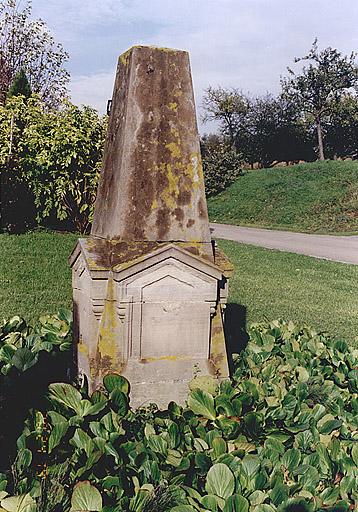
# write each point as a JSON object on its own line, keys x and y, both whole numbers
{"x": 276, "y": 284}
{"x": 319, "y": 197}
{"x": 35, "y": 279}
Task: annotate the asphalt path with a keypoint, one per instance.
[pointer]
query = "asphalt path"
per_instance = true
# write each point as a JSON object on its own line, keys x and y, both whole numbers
{"x": 336, "y": 248}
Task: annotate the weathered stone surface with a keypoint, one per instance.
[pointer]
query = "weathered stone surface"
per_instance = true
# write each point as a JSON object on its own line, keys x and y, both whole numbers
{"x": 152, "y": 185}
{"x": 149, "y": 286}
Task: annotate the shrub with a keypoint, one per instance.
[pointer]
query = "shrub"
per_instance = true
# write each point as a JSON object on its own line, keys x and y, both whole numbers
{"x": 282, "y": 435}
{"x": 221, "y": 165}
{"x": 52, "y": 158}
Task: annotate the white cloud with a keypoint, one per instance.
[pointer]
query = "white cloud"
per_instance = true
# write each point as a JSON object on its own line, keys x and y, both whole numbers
{"x": 94, "y": 90}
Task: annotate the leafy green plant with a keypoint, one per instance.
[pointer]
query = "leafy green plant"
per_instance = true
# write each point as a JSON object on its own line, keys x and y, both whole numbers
{"x": 21, "y": 344}
{"x": 30, "y": 358}
{"x": 54, "y": 155}
{"x": 281, "y": 436}
{"x": 222, "y": 165}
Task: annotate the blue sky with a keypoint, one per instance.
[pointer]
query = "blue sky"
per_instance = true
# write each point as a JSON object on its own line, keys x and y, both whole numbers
{"x": 245, "y": 44}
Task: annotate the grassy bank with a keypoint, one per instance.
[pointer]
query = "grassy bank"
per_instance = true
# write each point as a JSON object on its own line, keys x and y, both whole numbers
{"x": 35, "y": 279}
{"x": 319, "y": 197}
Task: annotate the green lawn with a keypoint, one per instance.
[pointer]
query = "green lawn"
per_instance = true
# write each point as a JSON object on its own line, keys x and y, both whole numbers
{"x": 320, "y": 197}
{"x": 35, "y": 279}
{"x": 276, "y": 284}
{"x": 34, "y": 274}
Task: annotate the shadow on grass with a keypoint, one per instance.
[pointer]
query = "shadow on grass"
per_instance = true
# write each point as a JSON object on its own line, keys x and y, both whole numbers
{"x": 236, "y": 336}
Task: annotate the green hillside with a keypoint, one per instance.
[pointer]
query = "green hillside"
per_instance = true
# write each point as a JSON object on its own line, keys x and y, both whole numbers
{"x": 320, "y": 197}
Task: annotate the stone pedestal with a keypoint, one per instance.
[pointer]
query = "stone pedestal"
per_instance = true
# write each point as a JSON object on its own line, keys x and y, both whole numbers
{"x": 148, "y": 284}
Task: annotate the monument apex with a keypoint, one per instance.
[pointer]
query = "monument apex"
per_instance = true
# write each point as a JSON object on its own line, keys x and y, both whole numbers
{"x": 152, "y": 185}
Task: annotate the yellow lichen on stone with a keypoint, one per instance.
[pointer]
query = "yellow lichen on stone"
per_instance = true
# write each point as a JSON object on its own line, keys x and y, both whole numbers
{"x": 82, "y": 347}
{"x": 173, "y": 106}
{"x": 174, "y": 149}
{"x": 171, "y": 192}
{"x": 124, "y": 58}
{"x": 178, "y": 93}
{"x": 107, "y": 345}
{"x": 175, "y": 132}
{"x": 166, "y": 358}
{"x": 92, "y": 264}
{"x": 218, "y": 355}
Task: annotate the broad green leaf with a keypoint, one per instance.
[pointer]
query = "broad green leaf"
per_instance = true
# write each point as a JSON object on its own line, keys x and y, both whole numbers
{"x": 203, "y": 462}
{"x": 86, "y": 498}
{"x": 220, "y": 481}
{"x": 303, "y": 374}
{"x": 119, "y": 402}
{"x": 23, "y": 460}
{"x": 23, "y": 359}
{"x": 355, "y": 454}
{"x": 264, "y": 507}
{"x": 202, "y": 404}
{"x": 139, "y": 501}
{"x": 82, "y": 441}
{"x": 291, "y": 459}
{"x": 210, "y": 502}
{"x": 157, "y": 444}
{"x": 329, "y": 426}
{"x": 236, "y": 503}
{"x": 330, "y": 495}
{"x": 279, "y": 494}
{"x": 219, "y": 446}
{"x": 224, "y": 405}
{"x": 257, "y": 497}
{"x": 23, "y": 503}
{"x": 174, "y": 458}
{"x": 113, "y": 381}
{"x": 253, "y": 424}
{"x": 66, "y": 395}
{"x": 250, "y": 465}
{"x": 59, "y": 429}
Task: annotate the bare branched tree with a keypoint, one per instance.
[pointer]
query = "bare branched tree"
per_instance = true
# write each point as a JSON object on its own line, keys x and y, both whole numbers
{"x": 28, "y": 45}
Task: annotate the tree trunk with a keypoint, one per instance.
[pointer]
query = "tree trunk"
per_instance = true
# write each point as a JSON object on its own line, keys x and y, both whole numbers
{"x": 320, "y": 139}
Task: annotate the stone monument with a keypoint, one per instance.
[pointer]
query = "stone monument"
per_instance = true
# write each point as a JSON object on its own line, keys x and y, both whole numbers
{"x": 149, "y": 284}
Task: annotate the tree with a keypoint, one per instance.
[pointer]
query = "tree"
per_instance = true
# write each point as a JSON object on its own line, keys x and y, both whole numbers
{"x": 273, "y": 133}
{"x": 342, "y": 129}
{"x": 28, "y": 45}
{"x": 320, "y": 85}
{"x": 264, "y": 129}
{"x": 20, "y": 85}
{"x": 226, "y": 106}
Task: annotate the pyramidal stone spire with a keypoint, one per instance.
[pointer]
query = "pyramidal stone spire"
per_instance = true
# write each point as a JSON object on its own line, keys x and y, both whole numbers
{"x": 152, "y": 186}
{"x": 149, "y": 287}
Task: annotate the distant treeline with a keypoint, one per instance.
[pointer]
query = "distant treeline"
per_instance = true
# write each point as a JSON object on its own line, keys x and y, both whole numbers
{"x": 315, "y": 114}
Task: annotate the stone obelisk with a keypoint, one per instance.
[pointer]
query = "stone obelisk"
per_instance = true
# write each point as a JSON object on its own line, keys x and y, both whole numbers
{"x": 148, "y": 283}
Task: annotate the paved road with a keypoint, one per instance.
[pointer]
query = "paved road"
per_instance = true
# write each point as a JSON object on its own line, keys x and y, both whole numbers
{"x": 337, "y": 248}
